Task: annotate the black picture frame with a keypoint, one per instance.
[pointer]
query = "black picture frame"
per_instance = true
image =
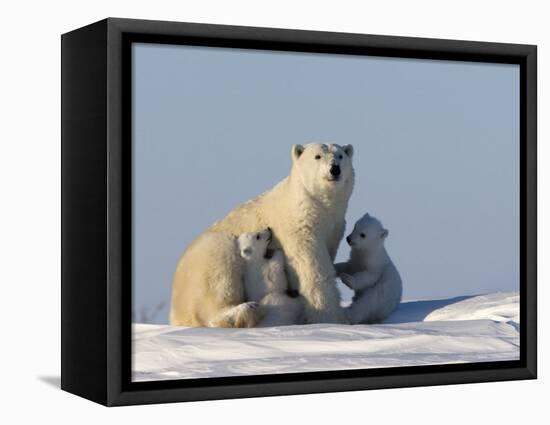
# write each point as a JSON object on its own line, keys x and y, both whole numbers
{"x": 96, "y": 211}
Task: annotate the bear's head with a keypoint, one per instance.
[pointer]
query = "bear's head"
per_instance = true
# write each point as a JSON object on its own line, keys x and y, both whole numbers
{"x": 253, "y": 245}
{"x": 323, "y": 169}
{"x": 368, "y": 235}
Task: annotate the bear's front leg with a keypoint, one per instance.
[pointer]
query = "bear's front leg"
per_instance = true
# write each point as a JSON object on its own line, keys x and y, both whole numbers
{"x": 317, "y": 284}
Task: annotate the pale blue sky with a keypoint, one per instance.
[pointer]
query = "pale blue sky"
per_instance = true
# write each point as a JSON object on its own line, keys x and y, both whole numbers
{"x": 436, "y": 156}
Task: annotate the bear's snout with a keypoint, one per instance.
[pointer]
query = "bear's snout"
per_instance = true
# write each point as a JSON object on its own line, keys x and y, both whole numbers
{"x": 335, "y": 170}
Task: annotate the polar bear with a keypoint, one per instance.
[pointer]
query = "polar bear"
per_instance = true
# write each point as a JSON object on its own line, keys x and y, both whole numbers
{"x": 306, "y": 212}
{"x": 370, "y": 273}
{"x": 211, "y": 296}
{"x": 265, "y": 280}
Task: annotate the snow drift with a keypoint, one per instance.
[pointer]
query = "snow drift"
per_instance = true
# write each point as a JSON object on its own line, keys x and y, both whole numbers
{"x": 463, "y": 329}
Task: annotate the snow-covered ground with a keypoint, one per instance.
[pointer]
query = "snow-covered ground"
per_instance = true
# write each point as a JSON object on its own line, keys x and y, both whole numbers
{"x": 463, "y": 329}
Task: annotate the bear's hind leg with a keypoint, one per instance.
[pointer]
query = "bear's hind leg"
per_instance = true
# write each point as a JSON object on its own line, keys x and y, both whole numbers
{"x": 244, "y": 315}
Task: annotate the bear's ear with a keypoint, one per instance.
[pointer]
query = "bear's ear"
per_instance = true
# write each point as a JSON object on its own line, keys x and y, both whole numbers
{"x": 297, "y": 150}
{"x": 384, "y": 234}
{"x": 348, "y": 149}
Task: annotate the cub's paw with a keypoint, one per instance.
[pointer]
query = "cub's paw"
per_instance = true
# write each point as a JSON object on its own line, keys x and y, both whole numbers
{"x": 347, "y": 280}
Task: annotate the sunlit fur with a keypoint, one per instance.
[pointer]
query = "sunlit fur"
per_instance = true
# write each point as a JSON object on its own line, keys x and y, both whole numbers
{"x": 211, "y": 296}
{"x": 306, "y": 213}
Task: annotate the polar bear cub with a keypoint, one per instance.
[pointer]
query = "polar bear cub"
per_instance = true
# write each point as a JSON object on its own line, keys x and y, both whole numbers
{"x": 370, "y": 273}
{"x": 265, "y": 280}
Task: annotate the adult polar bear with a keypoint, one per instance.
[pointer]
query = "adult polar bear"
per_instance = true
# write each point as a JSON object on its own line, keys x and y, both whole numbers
{"x": 306, "y": 212}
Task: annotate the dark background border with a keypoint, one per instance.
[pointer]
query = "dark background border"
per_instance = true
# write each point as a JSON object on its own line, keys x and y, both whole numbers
{"x": 96, "y": 188}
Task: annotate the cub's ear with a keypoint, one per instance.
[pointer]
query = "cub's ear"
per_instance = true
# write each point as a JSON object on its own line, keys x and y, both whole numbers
{"x": 384, "y": 234}
{"x": 297, "y": 150}
{"x": 348, "y": 149}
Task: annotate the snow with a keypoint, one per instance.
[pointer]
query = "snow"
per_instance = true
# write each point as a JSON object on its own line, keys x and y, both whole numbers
{"x": 462, "y": 329}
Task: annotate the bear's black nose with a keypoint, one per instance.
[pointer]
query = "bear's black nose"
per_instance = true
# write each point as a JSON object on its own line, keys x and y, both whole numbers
{"x": 348, "y": 239}
{"x": 335, "y": 170}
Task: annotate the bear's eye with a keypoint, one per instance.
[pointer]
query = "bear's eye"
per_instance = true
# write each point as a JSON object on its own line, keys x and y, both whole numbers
{"x": 317, "y": 156}
{"x": 340, "y": 157}
{"x": 258, "y": 237}
{"x": 362, "y": 235}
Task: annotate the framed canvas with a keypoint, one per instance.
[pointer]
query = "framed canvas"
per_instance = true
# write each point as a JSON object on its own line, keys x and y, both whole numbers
{"x": 253, "y": 212}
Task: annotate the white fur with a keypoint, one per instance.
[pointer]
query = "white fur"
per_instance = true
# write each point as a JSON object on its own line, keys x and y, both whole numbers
{"x": 370, "y": 273}
{"x": 265, "y": 281}
{"x": 306, "y": 213}
{"x": 211, "y": 296}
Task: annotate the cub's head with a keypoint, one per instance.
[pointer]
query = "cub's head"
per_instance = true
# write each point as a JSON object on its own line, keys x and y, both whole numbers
{"x": 368, "y": 234}
{"x": 323, "y": 169}
{"x": 254, "y": 245}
